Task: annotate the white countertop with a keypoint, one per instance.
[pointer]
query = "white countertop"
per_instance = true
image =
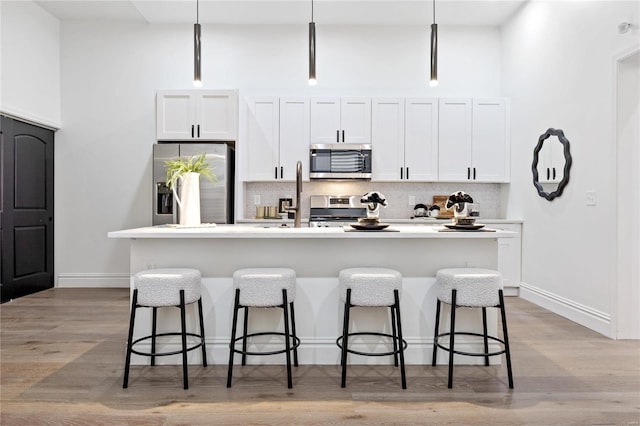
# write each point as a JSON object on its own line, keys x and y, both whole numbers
{"x": 416, "y": 221}
{"x": 257, "y": 231}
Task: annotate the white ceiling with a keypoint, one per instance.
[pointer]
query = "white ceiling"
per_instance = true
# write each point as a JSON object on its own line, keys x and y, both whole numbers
{"x": 354, "y": 12}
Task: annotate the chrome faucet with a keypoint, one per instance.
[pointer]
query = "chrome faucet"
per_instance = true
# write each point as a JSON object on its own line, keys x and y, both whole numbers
{"x": 297, "y": 214}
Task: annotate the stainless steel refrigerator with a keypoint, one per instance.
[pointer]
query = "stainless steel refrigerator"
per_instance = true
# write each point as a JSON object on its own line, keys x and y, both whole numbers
{"x": 216, "y": 199}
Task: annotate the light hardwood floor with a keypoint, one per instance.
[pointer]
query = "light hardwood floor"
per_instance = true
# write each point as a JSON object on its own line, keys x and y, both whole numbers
{"x": 62, "y": 362}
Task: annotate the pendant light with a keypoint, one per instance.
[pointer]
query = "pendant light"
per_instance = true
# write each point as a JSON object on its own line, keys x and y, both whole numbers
{"x": 312, "y": 49}
{"x": 197, "y": 81}
{"x": 434, "y": 49}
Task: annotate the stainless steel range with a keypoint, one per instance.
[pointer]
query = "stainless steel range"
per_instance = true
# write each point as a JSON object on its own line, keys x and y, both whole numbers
{"x": 335, "y": 210}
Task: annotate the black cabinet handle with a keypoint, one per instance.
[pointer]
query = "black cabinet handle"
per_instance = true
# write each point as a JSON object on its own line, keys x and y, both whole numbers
{"x": 554, "y": 173}
{"x": 275, "y": 169}
{"x": 343, "y": 136}
{"x": 337, "y": 135}
{"x": 281, "y": 172}
{"x": 474, "y": 173}
{"x": 198, "y": 130}
{"x": 401, "y": 171}
{"x": 192, "y": 126}
{"x": 547, "y": 173}
{"x": 468, "y": 173}
{"x": 407, "y": 173}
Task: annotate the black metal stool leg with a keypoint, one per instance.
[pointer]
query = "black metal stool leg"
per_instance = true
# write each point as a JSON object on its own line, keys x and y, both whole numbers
{"x": 451, "y": 337}
{"x": 507, "y": 351}
{"x": 293, "y": 332}
{"x": 183, "y": 322}
{"x": 287, "y": 341}
{"x": 400, "y": 341}
{"x": 484, "y": 334}
{"x": 345, "y": 338}
{"x": 394, "y": 333}
{"x": 245, "y": 327}
{"x": 132, "y": 320}
{"x": 154, "y": 323}
{"x": 435, "y": 335}
{"x": 204, "y": 348}
{"x": 233, "y": 337}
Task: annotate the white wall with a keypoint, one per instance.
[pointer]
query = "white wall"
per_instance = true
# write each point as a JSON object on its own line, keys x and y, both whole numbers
{"x": 558, "y": 72}
{"x": 627, "y": 292}
{"x": 30, "y": 63}
{"x": 110, "y": 72}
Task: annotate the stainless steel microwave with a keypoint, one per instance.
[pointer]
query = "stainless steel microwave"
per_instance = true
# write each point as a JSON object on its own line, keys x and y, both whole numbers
{"x": 340, "y": 161}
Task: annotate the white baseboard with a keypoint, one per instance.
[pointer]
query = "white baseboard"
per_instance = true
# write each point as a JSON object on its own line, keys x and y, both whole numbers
{"x": 93, "y": 280}
{"x": 511, "y": 290}
{"x": 584, "y": 315}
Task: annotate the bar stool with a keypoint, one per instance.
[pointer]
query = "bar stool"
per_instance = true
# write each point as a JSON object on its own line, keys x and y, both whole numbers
{"x": 372, "y": 287}
{"x": 472, "y": 288}
{"x": 264, "y": 288}
{"x": 158, "y": 288}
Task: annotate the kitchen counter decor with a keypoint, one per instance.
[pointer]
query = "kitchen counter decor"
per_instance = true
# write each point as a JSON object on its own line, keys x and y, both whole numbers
{"x": 187, "y": 174}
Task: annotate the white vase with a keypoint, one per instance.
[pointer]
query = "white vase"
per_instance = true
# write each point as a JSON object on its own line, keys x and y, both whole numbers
{"x": 189, "y": 200}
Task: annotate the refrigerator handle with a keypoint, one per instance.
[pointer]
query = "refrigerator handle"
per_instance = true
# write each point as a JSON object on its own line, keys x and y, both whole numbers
{"x": 192, "y": 130}
{"x": 198, "y": 130}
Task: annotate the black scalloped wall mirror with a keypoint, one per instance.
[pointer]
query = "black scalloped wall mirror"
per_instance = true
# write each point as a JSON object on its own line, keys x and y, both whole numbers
{"x": 551, "y": 164}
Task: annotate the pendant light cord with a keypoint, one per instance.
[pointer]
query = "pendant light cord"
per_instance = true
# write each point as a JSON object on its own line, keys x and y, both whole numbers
{"x": 197, "y": 11}
{"x": 434, "y": 11}
{"x": 311, "y": 10}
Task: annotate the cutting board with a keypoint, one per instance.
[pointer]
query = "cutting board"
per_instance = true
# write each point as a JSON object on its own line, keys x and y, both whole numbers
{"x": 441, "y": 201}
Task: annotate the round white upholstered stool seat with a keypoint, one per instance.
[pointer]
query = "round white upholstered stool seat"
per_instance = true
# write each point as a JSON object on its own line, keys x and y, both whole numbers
{"x": 475, "y": 287}
{"x": 372, "y": 287}
{"x": 264, "y": 288}
{"x": 470, "y": 288}
{"x": 162, "y": 288}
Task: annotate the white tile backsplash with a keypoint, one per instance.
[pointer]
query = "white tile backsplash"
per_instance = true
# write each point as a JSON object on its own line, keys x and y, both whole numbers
{"x": 486, "y": 196}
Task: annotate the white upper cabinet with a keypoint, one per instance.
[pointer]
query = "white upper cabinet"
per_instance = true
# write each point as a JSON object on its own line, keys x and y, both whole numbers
{"x": 473, "y": 140}
{"x": 387, "y": 138}
{"x": 294, "y": 137}
{"x": 490, "y": 149}
{"x": 187, "y": 115}
{"x": 340, "y": 120}
{"x": 421, "y": 139}
{"x": 454, "y": 140}
{"x": 263, "y": 134}
{"x": 277, "y": 138}
{"x": 405, "y": 139}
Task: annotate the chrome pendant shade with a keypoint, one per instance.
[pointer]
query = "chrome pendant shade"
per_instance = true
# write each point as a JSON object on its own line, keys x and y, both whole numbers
{"x": 434, "y": 55}
{"x": 312, "y": 49}
{"x": 197, "y": 81}
{"x": 434, "y": 49}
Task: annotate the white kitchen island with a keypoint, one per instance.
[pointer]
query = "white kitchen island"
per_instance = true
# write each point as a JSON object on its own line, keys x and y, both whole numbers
{"x": 317, "y": 255}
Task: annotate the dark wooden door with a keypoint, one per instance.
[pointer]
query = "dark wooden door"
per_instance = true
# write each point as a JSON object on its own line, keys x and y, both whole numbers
{"x": 26, "y": 208}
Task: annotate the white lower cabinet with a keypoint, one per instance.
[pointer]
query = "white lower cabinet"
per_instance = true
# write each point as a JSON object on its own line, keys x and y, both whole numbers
{"x": 510, "y": 257}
